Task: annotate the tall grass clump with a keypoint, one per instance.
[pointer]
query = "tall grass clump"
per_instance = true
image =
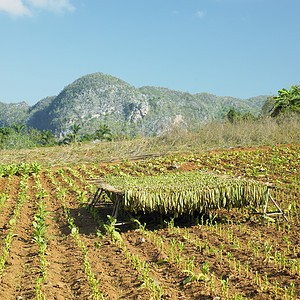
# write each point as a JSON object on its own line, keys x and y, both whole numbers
{"x": 223, "y": 134}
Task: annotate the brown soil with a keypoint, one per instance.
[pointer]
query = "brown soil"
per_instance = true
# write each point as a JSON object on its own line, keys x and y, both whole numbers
{"x": 246, "y": 269}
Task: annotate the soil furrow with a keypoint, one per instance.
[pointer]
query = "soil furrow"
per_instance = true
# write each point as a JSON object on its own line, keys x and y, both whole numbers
{"x": 164, "y": 273}
{"x": 118, "y": 279}
{"x": 107, "y": 261}
{"x": 256, "y": 263}
{"x": 3, "y": 184}
{"x": 65, "y": 271}
{"x": 7, "y": 210}
{"x": 238, "y": 280}
{"x": 22, "y": 266}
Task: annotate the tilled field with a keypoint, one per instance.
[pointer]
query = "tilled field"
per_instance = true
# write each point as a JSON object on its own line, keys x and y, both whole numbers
{"x": 54, "y": 247}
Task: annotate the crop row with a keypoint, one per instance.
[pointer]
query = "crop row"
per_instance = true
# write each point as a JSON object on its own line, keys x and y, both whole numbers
{"x": 224, "y": 253}
{"x": 22, "y": 197}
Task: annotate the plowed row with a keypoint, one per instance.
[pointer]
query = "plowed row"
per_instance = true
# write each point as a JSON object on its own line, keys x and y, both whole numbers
{"x": 245, "y": 259}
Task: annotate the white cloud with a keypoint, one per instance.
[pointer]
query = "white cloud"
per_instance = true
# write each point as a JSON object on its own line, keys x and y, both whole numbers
{"x": 200, "y": 13}
{"x": 53, "y": 5}
{"x": 28, "y": 7}
{"x": 14, "y": 7}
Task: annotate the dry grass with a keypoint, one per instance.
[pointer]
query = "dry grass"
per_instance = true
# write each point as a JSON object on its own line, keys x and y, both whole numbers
{"x": 214, "y": 135}
{"x": 249, "y": 133}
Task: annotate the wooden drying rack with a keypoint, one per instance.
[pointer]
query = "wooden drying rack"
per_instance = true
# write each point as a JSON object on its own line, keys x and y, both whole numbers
{"x": 270, "y": 213}
{"x": 103, "y": 187}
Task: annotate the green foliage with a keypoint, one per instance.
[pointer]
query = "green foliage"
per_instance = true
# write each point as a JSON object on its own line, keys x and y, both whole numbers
{"x": 20, "y": 169}
{"x": 287, "y": 101}
{"x": 35, "y": 168}
{"x": 103, "y": 133}
{"x": 76, "y": 128}
{"x": 126, "y": 110}
{"x": 19, "y": 128}
{"x": 40, "y": 231}
{"x": 18, "y": 141}
{"x": 268, "y": 105}
{"x": 234, "y": 116}
{"x": 187, "y": 192}
{"x": 47, "y": 138}
{"x": 7, "y": 243}
{"x": 74, "y": 136}
{"x": 4, "y": 133}
{"x": 21, "y": 137}
{"x": 111, "y": 230}
{"x": 87, "y": 137}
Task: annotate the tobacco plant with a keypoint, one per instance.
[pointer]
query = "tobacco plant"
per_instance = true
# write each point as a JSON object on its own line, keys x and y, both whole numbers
{"x": 22, "y": 197}
{"x": 188, "y": 192}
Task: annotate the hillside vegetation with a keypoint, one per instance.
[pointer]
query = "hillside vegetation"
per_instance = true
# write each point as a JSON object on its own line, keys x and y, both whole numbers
{"x": 210, "y": 136}
{"x": 125, "y": 109}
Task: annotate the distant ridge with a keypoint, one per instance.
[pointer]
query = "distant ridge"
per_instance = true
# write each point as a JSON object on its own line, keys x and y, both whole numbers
{"x": 125, "y": 109}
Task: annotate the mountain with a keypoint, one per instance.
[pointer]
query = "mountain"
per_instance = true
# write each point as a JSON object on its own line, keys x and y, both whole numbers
{"x": 103, "y": 98}
{"x": 12, "y": 113}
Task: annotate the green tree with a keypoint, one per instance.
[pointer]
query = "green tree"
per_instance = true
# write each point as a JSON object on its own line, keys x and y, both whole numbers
{"x": 87, "y": 137}
{"x": 76, "y": 128}
{"x": 35, "y": 135}
{"x": 248, "y": 117}
{"x": 19, "y": 141}
{"x": 72, "y": 137}
{"x": 103, "y": 133}
{"x": 18, "y": 128}
{"x": 68, "y": 139}
{"x": 47, "y": 138}
{"x": 4, "y": 133}
{"x": 233, "y": 115}
{"x": 287, "y": 101}
{"x": 268, "y": 105}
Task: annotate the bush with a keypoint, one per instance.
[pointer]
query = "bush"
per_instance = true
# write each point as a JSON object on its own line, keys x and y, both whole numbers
{"x": 19, "y": 141}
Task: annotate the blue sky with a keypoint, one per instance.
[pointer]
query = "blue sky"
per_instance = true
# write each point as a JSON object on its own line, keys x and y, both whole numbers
{"x": 239, "y": 48}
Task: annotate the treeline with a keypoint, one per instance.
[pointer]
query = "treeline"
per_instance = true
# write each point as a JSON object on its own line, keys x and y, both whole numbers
{"x": 21, "y": 136}
{"x": 286, "y": 102}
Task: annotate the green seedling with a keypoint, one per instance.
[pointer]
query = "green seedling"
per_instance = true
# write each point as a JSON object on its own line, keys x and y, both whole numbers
{"x": 229, "y": 255}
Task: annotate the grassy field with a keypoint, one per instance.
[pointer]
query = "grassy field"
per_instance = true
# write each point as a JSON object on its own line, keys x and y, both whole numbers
{"x": 212, "y": 136}
{"x": 53, "y": 246}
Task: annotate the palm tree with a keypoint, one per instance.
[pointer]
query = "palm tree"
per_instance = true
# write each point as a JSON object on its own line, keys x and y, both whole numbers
{"x": 287, "y": 101}
{"x": 69, "y": 138}
{"x": 76, "y": 128}
{"x": 103, "y": 133}
{"x": 72, "y": 137}
{"x": 47, "y": 137}
{"x": 18, "y": 128}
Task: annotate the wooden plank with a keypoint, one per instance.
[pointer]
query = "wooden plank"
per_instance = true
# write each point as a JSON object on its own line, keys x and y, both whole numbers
{"x": 100, "y": 183}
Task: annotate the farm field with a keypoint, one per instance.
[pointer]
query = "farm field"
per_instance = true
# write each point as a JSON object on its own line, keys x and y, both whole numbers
{"x": 54, "y": 246}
